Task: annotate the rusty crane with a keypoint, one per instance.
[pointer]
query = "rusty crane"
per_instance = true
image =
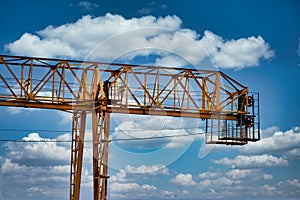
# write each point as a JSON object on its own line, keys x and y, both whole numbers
{"x": 230, "y": 113}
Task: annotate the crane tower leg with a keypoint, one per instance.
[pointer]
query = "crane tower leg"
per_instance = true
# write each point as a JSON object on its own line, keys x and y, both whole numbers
{"x": 78, "y": 132}
{"x": 101, "y": 125}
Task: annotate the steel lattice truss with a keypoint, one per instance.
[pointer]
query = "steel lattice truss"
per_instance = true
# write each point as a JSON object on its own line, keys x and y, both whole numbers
{"x": 82, "y": 87}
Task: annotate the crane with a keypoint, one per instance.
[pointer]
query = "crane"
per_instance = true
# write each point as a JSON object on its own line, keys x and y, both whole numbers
{"x": 230, "y": 112}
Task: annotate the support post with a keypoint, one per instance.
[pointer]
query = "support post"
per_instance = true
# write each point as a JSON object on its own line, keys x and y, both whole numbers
{"x": 101, "y": 125}
{"x": 78, "y": 132}
{"x": 217, "y": 90}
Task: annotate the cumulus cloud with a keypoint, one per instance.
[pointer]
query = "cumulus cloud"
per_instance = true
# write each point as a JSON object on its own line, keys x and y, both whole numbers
{"x": 241, "y": 53}
{"x": 38, "y": 153}
{"x": 35, "y": 168}
{"x": 267, "y": 190}
{"x": 47, "y": 47}
{"x": 26, "y": 182}
{"x": 235, "y": 175}
{"x": 130, "y": 187}
{"x": 239, "y": 173}
{"x": 132, "y": 174}
{"x": 126, "y": 183}
{"x": 221, "y": 181}
{"x": 294, "y": 183}
{"x": 13, "y": 169}
{"x": 183, "y": 180}
{"x": 112, "y": 37}
{"x": 208, "y": 175}
{"x": 234, "y": 183}
{"x": 275, "y": 141}
{"x": 65, "y": 117}
{"x": 252, "y": 161}
{"x": 137, "y": 191}
{"x": 153, "y": 169}
{"x": 160, "y": 128}
{"x": 142, "y": 140}
{"x": 119, "y": 177}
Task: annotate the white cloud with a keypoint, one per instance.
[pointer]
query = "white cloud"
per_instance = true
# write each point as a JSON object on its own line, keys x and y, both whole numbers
{"x": 66, "y": 117}
{"x": 38, "y": 153}
{"x": 164, "y": 6}
{"x": 243, "y": 52}
{"x": 234, "y": 183}
{"x": 35, "y": 168}
{"x": 220, "y": 181}
{"x": 153, "y": 169}
{"x": 208, "y": 175}
{"x": 15, "y": 169}
{"x": 19, "y": 110}
{"x": 235, "y": 175}
{"x": 274, "y": 140}
{"x": 289, "y": 187}
{"x": 240, "y": 173}
{"x": 144, "y": 11}
{"x": 52, "y": 181}
{"x": 248, "y": 174}
{"x": 294, "y": 183}
{"x": 268, "y": 132}
{"x": 130, "y": 172}
{"x": 46, "y": 47}
{"x": 144, "y": 36}
{"x": 292, "y": 154}
{"x": 14, "y": 110}
{"x": 252, "y": 161}
{"x": 87, "y": 5}
{"x": 129, "y": 187}
{"x": 37, "y": 191}
{"x": 267, "y": 177}
{"x": 170, "y": 61}
{"x": 128, "y": 182}
{"x": 267, "y": 190}
{"x": 135, "y": 127}
{"x": 134, "y": 191}
{"x": 119, "y": 177}
{"x": 183, "y": 180}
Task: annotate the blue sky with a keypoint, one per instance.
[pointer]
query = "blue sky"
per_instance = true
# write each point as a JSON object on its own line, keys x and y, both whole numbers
{"x": 255, "y": 42}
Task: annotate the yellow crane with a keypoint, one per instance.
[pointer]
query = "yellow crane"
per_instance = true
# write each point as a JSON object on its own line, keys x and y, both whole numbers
{"x": 230, "y": 113}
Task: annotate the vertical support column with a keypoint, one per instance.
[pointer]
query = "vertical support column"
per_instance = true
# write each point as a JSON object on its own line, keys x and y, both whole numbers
{"x": 22, "y": 81}
{"x": 30, "y": 78}
{"x": 78, "y": 132}
{"x": 217, "y": 90}
{"x": 146, "y": 88}
{"x": 101, "y": 125}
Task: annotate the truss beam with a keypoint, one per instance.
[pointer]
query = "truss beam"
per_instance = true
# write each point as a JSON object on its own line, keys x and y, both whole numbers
{"x": 231, "y": 115}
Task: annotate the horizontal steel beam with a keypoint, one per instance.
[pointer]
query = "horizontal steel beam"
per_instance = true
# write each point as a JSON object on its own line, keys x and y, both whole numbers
{"x": 174, "y": 113}
{"x": 137, "y": 111}
{"x": 45, "y": 105}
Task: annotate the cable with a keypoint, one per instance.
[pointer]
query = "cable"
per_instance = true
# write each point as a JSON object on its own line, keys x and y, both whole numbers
{"x": 32, "y": 130}
{"x": 111, "y": 140}
{"x": 67, "y": 131}
{"x": 156, "y": 137}
{"x": 33, "y": 141}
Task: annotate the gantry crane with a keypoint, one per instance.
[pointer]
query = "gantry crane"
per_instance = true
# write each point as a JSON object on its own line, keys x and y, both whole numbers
{"x": 230, "y": 113}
